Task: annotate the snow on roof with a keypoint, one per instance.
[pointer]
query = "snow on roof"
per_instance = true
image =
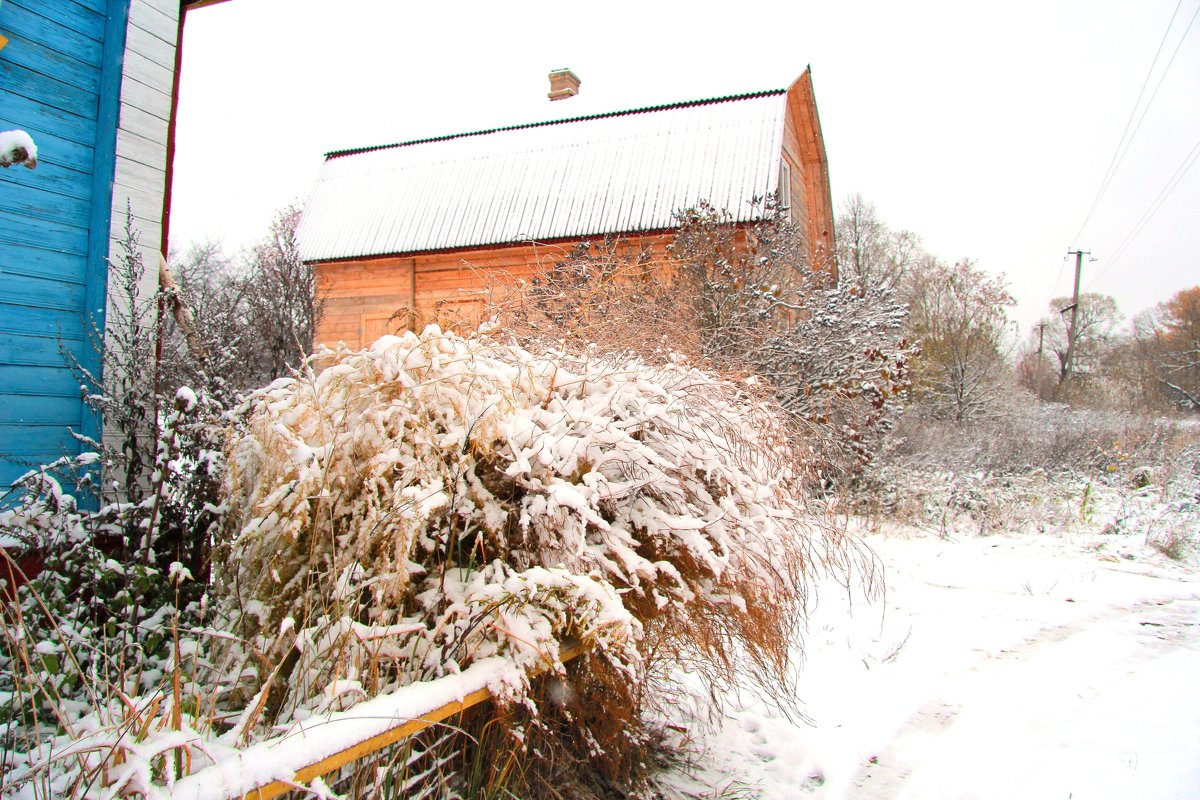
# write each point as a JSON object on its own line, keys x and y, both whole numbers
{"x": 621, "y": 172}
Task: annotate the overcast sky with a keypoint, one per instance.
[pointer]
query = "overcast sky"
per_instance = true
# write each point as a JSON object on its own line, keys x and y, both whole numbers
{"x": 985, "y": 128}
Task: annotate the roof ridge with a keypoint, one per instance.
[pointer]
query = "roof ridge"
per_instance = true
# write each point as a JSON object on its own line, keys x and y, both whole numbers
{"x": 626, "y": 112}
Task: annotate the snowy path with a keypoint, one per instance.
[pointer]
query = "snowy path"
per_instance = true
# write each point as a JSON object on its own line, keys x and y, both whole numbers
{"x": 1003, "y": 667}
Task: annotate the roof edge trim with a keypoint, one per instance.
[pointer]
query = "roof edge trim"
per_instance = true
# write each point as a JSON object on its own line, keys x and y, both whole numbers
{"x": 646, "y": 110}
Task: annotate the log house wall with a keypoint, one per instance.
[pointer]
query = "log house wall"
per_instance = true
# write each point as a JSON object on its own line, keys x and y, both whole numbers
{"x": 370, "y": 297}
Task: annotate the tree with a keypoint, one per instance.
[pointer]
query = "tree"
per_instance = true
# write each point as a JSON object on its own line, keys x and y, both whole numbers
{"x": 869, "y": 253}
{"x": 1096, "y": 325}
{"x": 255, "y": 321}
{"x": 280, "y": 293}
{"x": 958, "y": 315}
{"x": 740, "y": 300}
{"x": 1168, "y": 342}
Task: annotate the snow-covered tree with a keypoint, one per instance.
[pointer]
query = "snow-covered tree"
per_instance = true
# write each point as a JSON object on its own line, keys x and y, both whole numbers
{"x": 741, "y": 300}
{"x": 958, "y": 314}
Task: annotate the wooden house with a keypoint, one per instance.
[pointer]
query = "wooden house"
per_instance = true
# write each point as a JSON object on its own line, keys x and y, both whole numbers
{"x": 405, "y": 234}
{"x": 93, "y": 82}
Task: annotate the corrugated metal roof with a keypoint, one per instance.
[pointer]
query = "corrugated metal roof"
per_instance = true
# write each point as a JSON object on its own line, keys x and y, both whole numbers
{"x": 611, "y": 173}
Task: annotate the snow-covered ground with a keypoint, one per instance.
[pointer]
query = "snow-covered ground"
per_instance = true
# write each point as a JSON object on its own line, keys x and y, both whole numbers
{"x": 995, "y": 667}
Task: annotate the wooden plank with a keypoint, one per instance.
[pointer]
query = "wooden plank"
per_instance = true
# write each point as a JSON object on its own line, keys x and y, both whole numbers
{"x": 99, "y": 6}
{"x": 39, "y": 119}
{"x": 42, "y": 322}
{"x": 36, "y": 350}
{"x": 147, "y": 151}
{"x": 149, "y": 98}
{"x": 89, "y": 23}
{"x": 159, "y": 18}
{"x": 51, "y": 49}
{"x": 155, "y": 49}
{"x": 38, "y": 292}
{"x": 46, "y": 90}
{"x": 140, "y": 176}
{"x": 30, "y": 446}
{"x": 63, "y": 199}
{"x": 48, "y": 380}
{"x": 32, "y": 262}
{"x": 51, "y": 175}
{"x": 146, "y": 205}
{"x": 108, "y": 104}
{"x": 39, "y": 410}
{"x": 49, "y": 233}
{"x": 376, "y": 743}
{"x": 141, "y": 68}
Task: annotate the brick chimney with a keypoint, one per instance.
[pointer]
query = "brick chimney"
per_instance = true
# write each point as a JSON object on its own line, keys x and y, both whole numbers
{"x": 563, "y": 84}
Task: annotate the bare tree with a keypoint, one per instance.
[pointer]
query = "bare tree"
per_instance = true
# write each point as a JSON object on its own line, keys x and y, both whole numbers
{"x": 1096, "y": 326}
{"x": 958, "y": 314}
{"x": 255, "y": 321}
{"x": 280, "y": 293}
{"x": 869, "y": 252}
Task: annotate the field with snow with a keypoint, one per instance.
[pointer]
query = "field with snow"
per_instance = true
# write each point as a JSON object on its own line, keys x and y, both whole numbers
{"x": 1031, "y": 666}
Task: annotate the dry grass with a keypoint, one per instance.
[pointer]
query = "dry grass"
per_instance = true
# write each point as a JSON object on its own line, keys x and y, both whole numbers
{"x": 439, "y": 500}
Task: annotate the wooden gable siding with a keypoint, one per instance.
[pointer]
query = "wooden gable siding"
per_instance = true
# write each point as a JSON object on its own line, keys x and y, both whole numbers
{"x": 368, "y": 298}
{"x": 140, "y": 175}
{"x": 804, "y": 150}
{"x": 59, "y": 81}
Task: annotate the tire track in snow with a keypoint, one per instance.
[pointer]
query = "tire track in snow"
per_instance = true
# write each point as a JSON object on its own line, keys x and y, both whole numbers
{"x": 1158, "y": 627}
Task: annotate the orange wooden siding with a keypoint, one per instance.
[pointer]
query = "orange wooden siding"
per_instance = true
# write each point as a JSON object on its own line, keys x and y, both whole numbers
{"x": 367, "y": 298}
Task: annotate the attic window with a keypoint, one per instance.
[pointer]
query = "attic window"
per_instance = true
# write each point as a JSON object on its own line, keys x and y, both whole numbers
{"x": 784, "y": 195}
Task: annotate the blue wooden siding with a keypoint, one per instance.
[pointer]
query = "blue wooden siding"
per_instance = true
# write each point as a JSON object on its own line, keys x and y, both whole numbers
{"x": 60, "y": 80}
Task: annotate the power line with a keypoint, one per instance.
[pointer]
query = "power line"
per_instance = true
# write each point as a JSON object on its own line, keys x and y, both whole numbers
{"x": 1058, "y": 277}
{"x": 1157, "y": 203}
{"x": 1158, "y": 85}
{"x": 1123, "y": 143}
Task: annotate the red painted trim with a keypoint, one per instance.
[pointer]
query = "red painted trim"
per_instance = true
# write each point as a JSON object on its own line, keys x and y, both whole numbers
{"x": 164, "y": 243}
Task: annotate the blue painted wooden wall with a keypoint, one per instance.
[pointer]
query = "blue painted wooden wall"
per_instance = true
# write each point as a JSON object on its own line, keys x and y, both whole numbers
{"x": 60, "y": 79}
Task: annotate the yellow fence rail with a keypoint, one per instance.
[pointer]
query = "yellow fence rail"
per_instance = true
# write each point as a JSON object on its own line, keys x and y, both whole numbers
{"x": 402, "y": 730}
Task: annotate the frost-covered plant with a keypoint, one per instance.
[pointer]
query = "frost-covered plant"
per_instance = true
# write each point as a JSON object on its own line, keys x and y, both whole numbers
{"x": 738, "y": 299}
{"x": 82, "y": 641}
{"x": 437, "y": 499}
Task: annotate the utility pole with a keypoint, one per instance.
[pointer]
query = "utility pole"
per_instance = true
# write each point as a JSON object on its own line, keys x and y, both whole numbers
{"x": 1041, "y": 336}
{"x": 1074, "y": 309}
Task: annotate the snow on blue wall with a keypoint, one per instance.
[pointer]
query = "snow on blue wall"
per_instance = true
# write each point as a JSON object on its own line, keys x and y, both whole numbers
{"x": 60, "y": 80}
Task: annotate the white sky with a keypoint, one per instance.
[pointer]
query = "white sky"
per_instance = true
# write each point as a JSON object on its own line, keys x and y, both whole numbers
{"x": 986, "y": 129}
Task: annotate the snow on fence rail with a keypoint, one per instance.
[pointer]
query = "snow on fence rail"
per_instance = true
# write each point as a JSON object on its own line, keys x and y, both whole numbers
{"x": 327, "y": 743}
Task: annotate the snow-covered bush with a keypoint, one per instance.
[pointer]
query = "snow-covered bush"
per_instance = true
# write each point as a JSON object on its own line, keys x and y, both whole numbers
{"x": 738, "y": 300}
{"x": 1043, "y": 468}
{"x": 435, "y": 500}
{"x": 90, "y": 643}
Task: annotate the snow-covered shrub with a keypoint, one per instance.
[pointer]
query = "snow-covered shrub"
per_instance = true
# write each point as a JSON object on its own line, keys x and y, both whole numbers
{"x": 82, "y": 641}
{"x": 1040, "y": 468}
{"x": 1028, "y": 435}
{"x": 738, "y": 300}
{"x": 435, "y": 499}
